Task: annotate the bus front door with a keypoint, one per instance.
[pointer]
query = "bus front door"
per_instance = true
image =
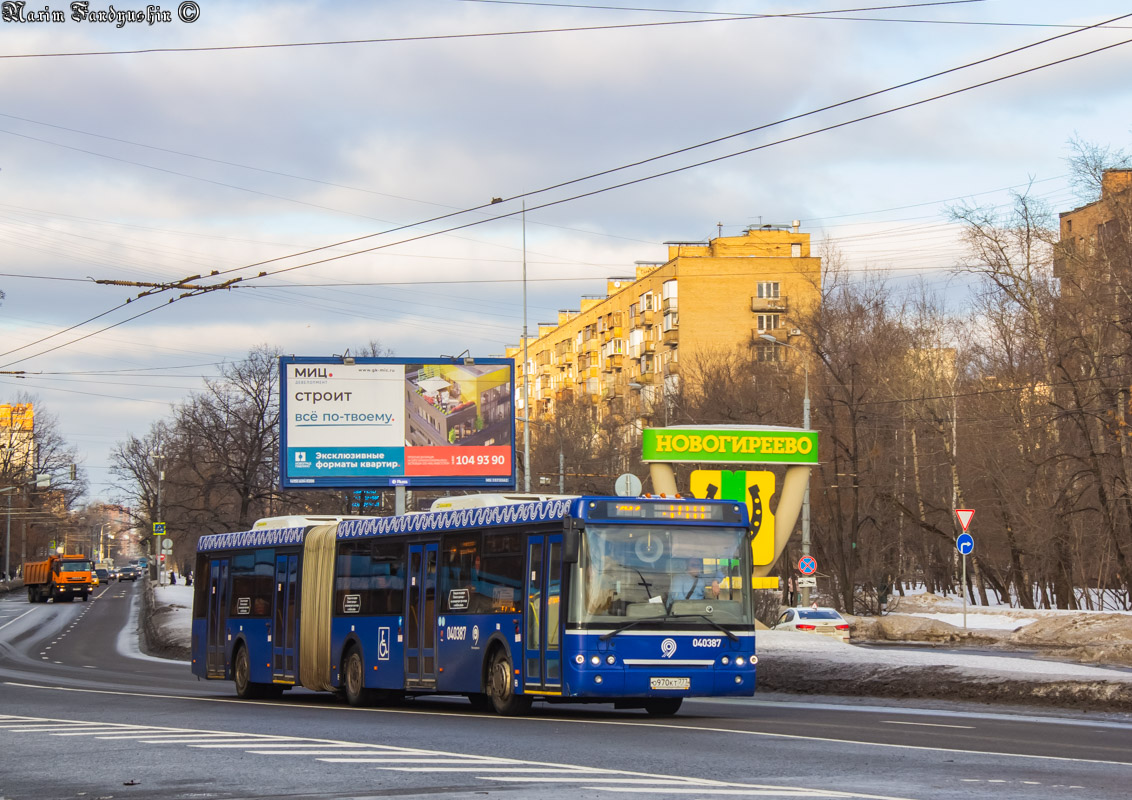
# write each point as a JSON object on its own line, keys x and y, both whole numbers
{"x": 286, "y": 623}
{"x": 542, "y": 672}
{"x": 217, "y": 616}
{"x": 420, "y": 628}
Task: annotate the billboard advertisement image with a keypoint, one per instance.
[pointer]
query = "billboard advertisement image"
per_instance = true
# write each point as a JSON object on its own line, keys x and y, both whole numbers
{"x": 375, "y": 422}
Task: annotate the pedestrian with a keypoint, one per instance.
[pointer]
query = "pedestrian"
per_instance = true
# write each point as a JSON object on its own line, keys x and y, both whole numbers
{"x": 172, "y": 578}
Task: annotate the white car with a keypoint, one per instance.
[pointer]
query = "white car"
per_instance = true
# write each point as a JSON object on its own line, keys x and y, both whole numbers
{"x": 814, "y": 620}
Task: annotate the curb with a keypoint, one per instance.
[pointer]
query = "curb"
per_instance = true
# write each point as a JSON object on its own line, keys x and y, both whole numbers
{"x": 802, "y": 676}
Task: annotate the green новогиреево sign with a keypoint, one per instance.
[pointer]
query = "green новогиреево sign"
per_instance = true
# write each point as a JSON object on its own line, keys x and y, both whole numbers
{"x": 730, "y": 445}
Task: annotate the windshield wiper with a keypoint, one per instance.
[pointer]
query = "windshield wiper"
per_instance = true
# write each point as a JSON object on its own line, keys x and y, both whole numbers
{"x": 709, "y": 621}
{"x": 605, "y": 637}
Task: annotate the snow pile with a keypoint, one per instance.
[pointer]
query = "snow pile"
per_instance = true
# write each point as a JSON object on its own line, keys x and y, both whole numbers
{"x": 169, "y": 621}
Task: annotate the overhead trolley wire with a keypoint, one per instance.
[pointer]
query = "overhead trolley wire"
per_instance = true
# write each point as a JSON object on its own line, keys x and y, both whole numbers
{"x": 623, "y": 184}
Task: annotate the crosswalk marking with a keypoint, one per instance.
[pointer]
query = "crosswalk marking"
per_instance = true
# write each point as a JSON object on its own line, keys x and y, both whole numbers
{"x": 390, "y": 758}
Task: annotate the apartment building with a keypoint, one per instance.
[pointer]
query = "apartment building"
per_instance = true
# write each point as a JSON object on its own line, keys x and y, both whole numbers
{"x": 1094, "y": 239}
{"x": 709, "y": 296}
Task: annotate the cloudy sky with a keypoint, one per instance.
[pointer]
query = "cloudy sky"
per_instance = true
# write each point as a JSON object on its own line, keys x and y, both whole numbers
{"x": 156, "y": 152}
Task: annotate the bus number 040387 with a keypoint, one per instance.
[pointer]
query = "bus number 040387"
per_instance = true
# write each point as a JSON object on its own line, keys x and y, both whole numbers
{"x": 499, "y": 460}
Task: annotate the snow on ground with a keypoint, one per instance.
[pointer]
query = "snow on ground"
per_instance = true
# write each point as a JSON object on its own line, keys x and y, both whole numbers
{"x": 172, "y": 617}
{"x": 980, "y": 621}
{"x": 816, "y": 647}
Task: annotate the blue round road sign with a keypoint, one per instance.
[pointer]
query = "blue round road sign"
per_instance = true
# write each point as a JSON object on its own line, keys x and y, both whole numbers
{"x": 807, "y": 565}
{"x": 965, "y": 543}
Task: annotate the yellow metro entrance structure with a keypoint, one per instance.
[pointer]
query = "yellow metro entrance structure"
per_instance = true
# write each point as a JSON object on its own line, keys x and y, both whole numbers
{"x": 794, "y": 448}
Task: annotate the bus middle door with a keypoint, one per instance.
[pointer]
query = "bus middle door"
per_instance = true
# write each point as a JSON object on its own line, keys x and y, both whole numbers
{"x": 542, "y": 672}
{"x": 420, "y": 627}
{"x": 217, "y": 616}
{"x": 286, "y": 614}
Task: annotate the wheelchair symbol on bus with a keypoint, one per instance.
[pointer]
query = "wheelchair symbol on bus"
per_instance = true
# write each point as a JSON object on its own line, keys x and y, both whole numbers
{"x": 383, "y": 644}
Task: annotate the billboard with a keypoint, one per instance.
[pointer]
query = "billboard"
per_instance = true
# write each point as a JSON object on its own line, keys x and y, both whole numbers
{"x": 730, "y": 444}
{"x": 375, "y": 422}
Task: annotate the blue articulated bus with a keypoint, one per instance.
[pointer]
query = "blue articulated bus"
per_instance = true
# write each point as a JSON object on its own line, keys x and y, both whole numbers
{"x": 639, "y": 602}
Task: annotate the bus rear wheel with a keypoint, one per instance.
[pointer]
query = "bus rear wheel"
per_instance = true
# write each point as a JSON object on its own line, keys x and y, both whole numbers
{"x": 354, "y": 673}
{"x": 500, "y": 688}
{"x": 663, "y": 707}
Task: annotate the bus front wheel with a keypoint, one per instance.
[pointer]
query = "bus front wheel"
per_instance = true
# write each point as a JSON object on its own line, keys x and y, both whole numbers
{"x": 354, "y": 674}
{"x": 500, "y": 688}
{"x": 242, "y": 675}
{"x": 664, "y": 707}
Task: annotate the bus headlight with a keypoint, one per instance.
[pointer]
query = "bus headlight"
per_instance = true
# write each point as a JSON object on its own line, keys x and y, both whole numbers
{"x": 597, "y": 679}
{"x": 579, "y": 659}
{"x": 595, "y": 660}
{"x": 738, "y": 678}
{"x": 610, "y": 660}
{"x": 739, "y": 661}
{"x": 725, "y": 660}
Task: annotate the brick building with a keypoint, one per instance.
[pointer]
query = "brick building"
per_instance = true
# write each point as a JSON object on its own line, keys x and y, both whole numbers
{"x": 706, "y": 297}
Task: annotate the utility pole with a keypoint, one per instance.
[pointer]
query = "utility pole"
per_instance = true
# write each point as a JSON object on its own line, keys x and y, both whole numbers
{"x": 526, "y": 378}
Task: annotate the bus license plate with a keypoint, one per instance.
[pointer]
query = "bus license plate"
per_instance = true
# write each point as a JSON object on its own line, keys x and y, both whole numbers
{"x": 670, "y": 683}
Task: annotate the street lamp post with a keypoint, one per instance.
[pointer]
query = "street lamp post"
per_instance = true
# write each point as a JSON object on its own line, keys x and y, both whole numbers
{"x": 159, "y": 463}
{"x": 805, "y": 424}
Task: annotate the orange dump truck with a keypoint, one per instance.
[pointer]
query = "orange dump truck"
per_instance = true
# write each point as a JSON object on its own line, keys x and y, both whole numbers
{"x": 61, "y": 577}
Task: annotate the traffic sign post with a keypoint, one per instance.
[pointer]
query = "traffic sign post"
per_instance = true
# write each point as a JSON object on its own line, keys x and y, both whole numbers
{"x": 965, "y": 544}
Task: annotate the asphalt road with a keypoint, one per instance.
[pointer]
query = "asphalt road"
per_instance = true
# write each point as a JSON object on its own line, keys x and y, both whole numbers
{"x": 83, "y": 715}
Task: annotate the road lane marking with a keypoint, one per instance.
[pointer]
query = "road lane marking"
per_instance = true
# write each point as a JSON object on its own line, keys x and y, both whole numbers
{"x": 927, "y": 724}
{"x": 21, "y": 616}
{"x": 489, "y": 768}
{"x": 565, "y": 721}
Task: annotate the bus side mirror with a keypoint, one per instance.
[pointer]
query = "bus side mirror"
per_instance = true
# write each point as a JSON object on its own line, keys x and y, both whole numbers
{"x": 571, "y": 542}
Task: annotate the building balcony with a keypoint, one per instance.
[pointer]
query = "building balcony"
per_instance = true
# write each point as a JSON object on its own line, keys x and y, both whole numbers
{"x": 613, "y": 362}
{"x": 672, "y": 368}
{"x": 648, "y": 346}
{"x": 759, "y": 304}
{"x": 671, "y": 337}
{"x": 668, "y": 304}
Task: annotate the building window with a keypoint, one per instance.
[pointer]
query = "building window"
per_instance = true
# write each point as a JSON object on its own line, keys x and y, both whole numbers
{"x": 768, "y": 290}
{"x": 795, "y": 250}
{"x": 770, "y": 352}
{"x": 646, "y": 301}
{"x": 769, "y": 322}
{"x": 670, "y": 322}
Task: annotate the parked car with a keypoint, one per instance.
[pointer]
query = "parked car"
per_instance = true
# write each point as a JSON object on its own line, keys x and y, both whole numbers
{"x": 102, "y": 575}
{"x": 128, "y": 574}
{"x": 814, "y": 620}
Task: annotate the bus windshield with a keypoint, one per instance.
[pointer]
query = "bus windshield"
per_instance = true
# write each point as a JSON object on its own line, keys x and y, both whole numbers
{"x": 649, "y": 572}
